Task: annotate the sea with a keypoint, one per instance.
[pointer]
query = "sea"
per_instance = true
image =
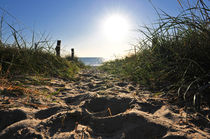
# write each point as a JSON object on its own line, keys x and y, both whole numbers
{"x": 92, "y": 61}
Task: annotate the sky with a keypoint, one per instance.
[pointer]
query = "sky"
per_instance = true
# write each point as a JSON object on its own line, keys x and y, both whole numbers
{"x": 94, "y": 28}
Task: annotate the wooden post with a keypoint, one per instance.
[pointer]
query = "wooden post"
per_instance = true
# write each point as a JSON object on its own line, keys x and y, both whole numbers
{"x": 58, "y": 47}
{"x": 35, "y": 45}
{"x": 72, "y": 53}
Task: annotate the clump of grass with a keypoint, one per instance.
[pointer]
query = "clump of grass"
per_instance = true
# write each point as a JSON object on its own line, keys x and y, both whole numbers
{"x": 19, "y": 56}
{"x": 173, "y": 57}
{"x": 15, "y": 61}
{"x": 75, "y": 60}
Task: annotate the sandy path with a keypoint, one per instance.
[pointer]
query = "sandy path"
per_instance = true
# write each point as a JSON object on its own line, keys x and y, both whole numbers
{"x": 97, "y": 105}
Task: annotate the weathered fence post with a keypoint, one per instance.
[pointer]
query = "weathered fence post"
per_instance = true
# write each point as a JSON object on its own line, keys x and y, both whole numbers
{"x": 36, "y": 45}
{"x": 58, "y": 47}
{"x": 72, "y": 53}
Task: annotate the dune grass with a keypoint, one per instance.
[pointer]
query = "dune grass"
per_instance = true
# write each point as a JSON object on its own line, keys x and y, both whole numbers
{"x": 173, "y": 57}
{"x": 15, "y": 61}
{"x": 20, "y": 55}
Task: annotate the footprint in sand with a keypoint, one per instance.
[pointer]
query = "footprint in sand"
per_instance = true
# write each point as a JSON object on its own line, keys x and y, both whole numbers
{"x": 97, "y": 105}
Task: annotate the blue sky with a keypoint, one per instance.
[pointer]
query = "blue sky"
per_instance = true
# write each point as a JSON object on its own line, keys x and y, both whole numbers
{"x": 78, "y": 23}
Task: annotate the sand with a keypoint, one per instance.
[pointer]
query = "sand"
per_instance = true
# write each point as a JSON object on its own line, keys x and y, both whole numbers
{"x": 95, "y": 105}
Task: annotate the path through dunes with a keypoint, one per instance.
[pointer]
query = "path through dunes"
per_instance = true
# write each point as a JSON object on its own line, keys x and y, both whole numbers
{"x": 96, "y": 105}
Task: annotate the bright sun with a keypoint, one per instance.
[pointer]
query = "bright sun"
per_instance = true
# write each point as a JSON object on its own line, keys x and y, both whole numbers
{"x": 115, "y": 27}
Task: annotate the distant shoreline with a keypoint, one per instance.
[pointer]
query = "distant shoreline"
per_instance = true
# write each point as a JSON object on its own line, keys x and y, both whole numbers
{"x": 92, "y": 61}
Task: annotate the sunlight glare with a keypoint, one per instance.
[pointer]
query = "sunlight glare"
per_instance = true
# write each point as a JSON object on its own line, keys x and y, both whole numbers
{"x": 115, "y": 27}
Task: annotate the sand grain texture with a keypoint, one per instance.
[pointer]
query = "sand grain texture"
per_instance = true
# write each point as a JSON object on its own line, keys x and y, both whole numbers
{"x": 97, "y": 105}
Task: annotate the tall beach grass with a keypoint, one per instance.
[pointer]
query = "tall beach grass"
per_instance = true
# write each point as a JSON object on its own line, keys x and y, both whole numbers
{"x": 23, "y": 51}
{"x": 174, "y": 57}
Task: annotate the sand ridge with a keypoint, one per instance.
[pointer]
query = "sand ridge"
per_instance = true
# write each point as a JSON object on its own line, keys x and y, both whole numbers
{"x": 96, "y": 105}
